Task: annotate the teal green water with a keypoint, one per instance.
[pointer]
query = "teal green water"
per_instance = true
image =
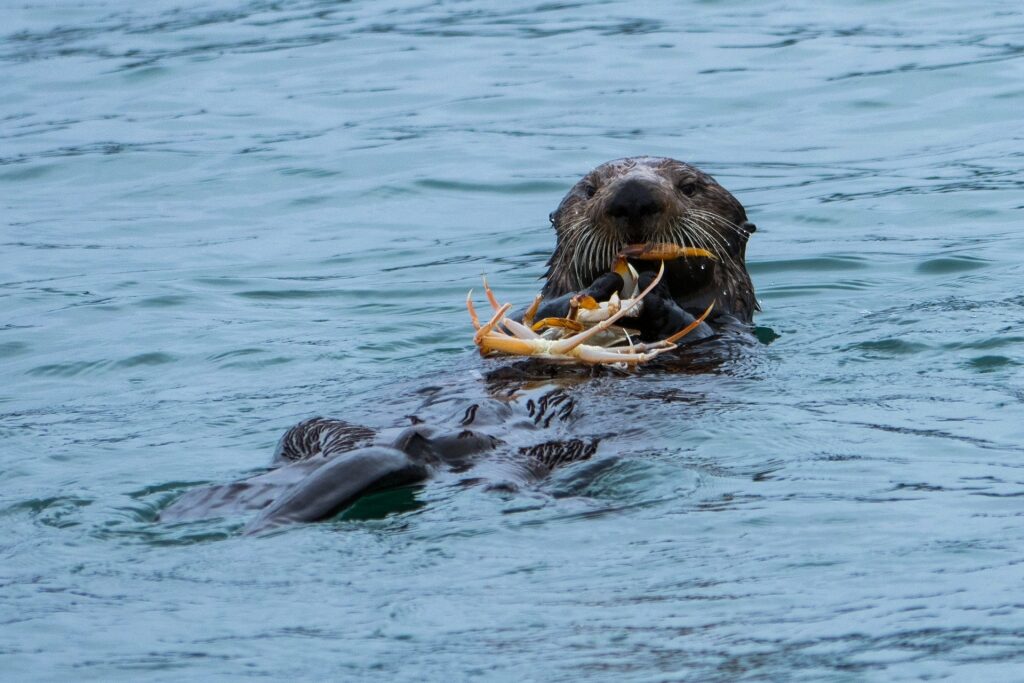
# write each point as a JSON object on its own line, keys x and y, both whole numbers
{"x": 196, "y": 201}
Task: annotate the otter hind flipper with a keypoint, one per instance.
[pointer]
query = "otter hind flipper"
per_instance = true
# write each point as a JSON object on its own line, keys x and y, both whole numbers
{"x": 339, "y": 483}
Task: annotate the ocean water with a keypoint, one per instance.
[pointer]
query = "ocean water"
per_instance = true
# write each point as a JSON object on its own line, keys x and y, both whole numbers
{"x": 220, "y": 218}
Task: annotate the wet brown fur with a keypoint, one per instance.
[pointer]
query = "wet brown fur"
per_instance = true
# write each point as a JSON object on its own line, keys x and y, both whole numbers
{"x": 693, "y": 211}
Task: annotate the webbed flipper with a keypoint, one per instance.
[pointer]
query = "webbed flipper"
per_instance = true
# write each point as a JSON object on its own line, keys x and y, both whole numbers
{"x": 339, "y": 483}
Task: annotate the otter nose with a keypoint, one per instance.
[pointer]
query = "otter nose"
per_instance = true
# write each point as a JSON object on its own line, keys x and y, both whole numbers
{"x": 633, "y": 200}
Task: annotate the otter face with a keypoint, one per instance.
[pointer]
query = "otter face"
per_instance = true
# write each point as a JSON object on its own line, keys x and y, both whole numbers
{"x": 654, "y": 199}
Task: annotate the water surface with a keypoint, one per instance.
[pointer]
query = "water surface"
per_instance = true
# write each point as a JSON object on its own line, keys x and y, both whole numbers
{"x": 220, "y": 218}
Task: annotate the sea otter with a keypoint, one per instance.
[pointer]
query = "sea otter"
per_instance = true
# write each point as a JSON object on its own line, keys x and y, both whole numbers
{"x": 322, "y": 466}
{"x": 655, "y": 199}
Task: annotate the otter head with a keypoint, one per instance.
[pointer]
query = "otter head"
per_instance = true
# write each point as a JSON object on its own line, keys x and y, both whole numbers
{"x": 654, "y": 199}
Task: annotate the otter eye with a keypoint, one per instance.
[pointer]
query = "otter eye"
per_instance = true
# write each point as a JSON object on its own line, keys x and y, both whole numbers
{"x": 589, "y": 190}
{"x": 688, "y": 188}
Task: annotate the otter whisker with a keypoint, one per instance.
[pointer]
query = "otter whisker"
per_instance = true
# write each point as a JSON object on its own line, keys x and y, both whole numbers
{"x": 721, "y": 221}
{"x": 699, "y": 236}
{"x": 719, "y": 225}
{"x": 701, "y": 222}
{"x": 718, "y": 245}
{"x": 577, "y": 237}
{"x": 719, "y": 218}
{"x": 609, "y": 253}
{"x": 587, "y": 259}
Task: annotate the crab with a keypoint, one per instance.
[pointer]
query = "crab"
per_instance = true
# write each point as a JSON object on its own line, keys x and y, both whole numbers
{"x": 564, "y": 340}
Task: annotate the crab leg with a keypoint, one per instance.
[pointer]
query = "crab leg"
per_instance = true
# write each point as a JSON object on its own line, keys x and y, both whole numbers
{"x": 595, "y": 355}
{"x": 485, "y": 330}
{"x": 532, "y": 310}
{"x": 692, "y": 326}
{"x": 564, "y": 323}
{"x": 574, "y": 308}
{"x": 586, "y": 302}
{"x": 520, "y": 330}
{"x": 639, "y": 348}
{"x": 629, "y": 277}
{"x": 490, "y": 295}
{"x": 507, "y": 344}
{"x": 662, "y": 251}
{"x": 472, "y": 311}
{"x": 668, "y": 342}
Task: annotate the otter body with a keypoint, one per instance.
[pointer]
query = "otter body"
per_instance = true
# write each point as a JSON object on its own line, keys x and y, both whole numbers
{"x": 322, "y": 466}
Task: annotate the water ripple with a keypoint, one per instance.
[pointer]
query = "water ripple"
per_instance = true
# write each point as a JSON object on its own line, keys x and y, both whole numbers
{"x": 222, "y": 218}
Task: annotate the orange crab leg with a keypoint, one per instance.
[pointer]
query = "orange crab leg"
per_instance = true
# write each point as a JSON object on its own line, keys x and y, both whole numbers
{"x": 621, "y": 265}
{"x": 586, "y": 302}
{"x": 628, "y": 274}
{"x": 472, "y": 311}
{"x": 532, "y": 310}
{"x": 692, "y": 326}
{"x": 506, "y": 344}
{"x": 485, "y": 329}
{"x": 663, "y": 251}
{"x": 564, "y": 323}
{"x": 490, "y": 295}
